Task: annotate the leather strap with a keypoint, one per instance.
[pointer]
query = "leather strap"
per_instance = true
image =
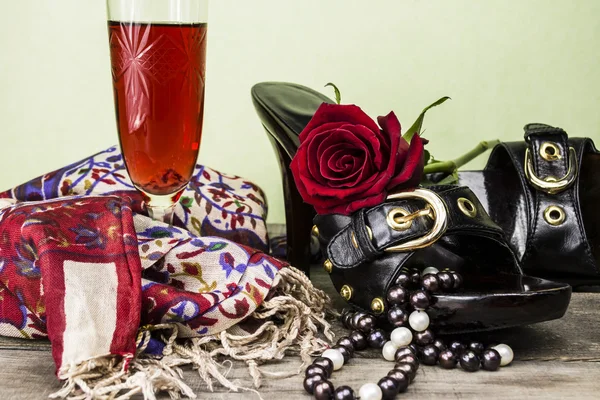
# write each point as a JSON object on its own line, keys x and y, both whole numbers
{"x": 352, "y": 245}
{"x": 548, "y": 249}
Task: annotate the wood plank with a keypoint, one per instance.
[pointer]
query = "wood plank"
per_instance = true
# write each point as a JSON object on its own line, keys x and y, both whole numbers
{"x": 30, "y": 376}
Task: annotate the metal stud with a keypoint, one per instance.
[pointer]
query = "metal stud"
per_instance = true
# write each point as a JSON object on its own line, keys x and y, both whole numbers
{"x": 377, "y": 305}
{"x": 554, "y": 215}
{"x": 315, "y": 231}
{"x": 328, "y": 266}
{"x": 346, "y": 292}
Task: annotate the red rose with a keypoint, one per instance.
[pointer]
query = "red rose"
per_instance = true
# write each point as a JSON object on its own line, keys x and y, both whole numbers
{"x": 345, "y": 162}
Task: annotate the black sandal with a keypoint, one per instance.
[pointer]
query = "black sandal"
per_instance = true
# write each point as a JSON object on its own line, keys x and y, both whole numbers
{"x": 447, "y": 228}
{"x": 544, "y": 192}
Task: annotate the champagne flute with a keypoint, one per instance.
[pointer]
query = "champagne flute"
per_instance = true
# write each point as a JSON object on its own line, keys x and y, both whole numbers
{"x": 158, "y": 59}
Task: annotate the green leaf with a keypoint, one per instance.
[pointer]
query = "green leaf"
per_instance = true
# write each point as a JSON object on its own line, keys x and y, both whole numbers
{"x": 338, "y": 96}
{"x": 426, "y": 156}
{"x": 416, "y": 127}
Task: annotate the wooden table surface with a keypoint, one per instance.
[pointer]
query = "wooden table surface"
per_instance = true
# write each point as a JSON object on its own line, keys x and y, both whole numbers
{"x": 553, "y": 360}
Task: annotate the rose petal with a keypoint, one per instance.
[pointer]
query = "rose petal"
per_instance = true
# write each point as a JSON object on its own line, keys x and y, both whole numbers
{"x": 410, "y": 173}
{"x": 330, "y": 113}
{"x": 373, "y": 142}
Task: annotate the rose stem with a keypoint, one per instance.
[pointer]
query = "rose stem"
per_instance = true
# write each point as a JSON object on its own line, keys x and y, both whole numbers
{"x": 452, "y": 165}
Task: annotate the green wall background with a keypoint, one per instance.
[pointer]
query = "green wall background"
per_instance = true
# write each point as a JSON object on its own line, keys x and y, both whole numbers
{"x": 504, "y": 63}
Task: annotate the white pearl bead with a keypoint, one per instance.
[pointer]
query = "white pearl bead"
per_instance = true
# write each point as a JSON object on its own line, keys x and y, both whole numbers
{"x": 336, "y": 358}
{"x": 418, "y": 320}
{"x": 370, "y": 391}
{"x": 506, "y": 354}
{"x": 429, "y": 270}
{"x": 401, "y": 336}
{"x": 389, "y": 350}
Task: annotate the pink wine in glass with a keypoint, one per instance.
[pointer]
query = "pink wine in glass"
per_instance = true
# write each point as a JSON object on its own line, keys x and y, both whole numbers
{"x": 158, "y": 79}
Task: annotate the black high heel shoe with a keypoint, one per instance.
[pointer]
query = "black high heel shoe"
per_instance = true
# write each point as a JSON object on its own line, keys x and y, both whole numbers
{"x": 284, "y": 110}
{"x": 551, "y": 222}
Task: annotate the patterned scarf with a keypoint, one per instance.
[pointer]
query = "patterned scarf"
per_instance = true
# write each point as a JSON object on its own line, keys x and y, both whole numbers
{"x": 125, "y": 299}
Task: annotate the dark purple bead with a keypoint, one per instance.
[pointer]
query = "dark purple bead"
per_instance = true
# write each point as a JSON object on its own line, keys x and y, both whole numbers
{"x": 469, "y": 361}
{"x": 410, "y": 359}
{"x": 424, "y": 338}
{"x": 408, "y": 369}
{"x": 347, "y": 320}
{"x": 343, "y": 393}
{"x": 402, "y": 352}
{"x": 414, "y": 348}
{"x": 345, "y": 341}
{"x": 403, "y": 279}
{"x": 458, "y": 280}
{"x": 315, "y": 370}
{"x": 357, "y": 316}
{"x": 311, "y": 381}
{"x": 366, "y": 323}
{"x": 346, "y": 352}
{"x": 397, "y": 295}
{"x": 431, "y": 283}
{"x": 415, "y": 277}
{"x": 323, "y": 390}
{"x": 441, "y": 346}
{"x": 446, "y": 280}
{"x": 389, "y": 387}
{"x": 400, "y": 377}
{"x": 359, "y": 340}
{"x": 476, "y": 347}
{"x": 490, "y": 360}
{"x": 419, "y": 299}
{"x": 326, "y": 363}
{"x": 457, "y": 347}
{"x": 429, "y": 355}
{"x": 377, "y": 338}
{"x": 397, "y": 316}
{"x": 447, "y": 359}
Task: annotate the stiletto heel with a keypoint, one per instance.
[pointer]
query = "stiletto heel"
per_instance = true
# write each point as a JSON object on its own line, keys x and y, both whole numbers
{"x": 298, "y": 215}
{"x": 284, "y": 110}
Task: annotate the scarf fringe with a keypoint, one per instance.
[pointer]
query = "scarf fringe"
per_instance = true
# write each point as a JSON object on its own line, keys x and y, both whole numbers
{"x": 289, "y": 322}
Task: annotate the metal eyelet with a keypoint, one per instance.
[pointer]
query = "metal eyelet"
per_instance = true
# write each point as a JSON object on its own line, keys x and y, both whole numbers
{"x": 396, "y": 213}
{"x": 550, "y": 151}
{"x": 555, "y": 215}
{"x": 355, "y": 242}
{"x": 377, "y": 305}
{"x": 346, "y": 292}
{"x": 467, "y": 207}
{"x": 315, "y": 231}
{"x": 435, "y": 210}
{"x": 328, "y": 266}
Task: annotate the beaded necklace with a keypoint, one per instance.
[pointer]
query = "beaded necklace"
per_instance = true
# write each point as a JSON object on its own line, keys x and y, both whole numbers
{"x": 410, "y": 343}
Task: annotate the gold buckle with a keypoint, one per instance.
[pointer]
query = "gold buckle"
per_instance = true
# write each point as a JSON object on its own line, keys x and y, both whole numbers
{"x": 550, "y": 184}
{"x": 435, "y": 209}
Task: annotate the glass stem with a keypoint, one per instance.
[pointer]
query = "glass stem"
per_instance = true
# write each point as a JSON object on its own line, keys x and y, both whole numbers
{"x": 161, "y": 213}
